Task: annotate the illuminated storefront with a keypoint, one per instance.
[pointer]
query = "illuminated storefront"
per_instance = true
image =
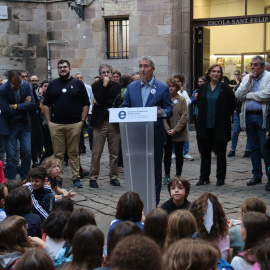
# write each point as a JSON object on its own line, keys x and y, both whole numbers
{"x": 229, "y": 33}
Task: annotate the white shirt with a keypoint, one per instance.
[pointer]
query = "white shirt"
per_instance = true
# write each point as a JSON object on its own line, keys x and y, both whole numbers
{"x": 91, "y": 97}
{"x": 185, "y": 95}
{"x": 239, "y": 263}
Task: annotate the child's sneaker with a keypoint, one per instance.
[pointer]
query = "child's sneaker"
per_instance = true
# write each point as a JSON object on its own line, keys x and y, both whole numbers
{"x": 120, "y": 170}
{"x": 77, "y": 183}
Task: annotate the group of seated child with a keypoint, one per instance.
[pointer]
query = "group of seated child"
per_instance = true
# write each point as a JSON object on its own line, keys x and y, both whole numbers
{"x": 178, "y": 236}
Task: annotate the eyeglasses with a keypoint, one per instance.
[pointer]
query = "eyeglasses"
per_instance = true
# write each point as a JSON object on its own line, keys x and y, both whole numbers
{"x": 106, "y": 72}
{"x": 33, "y": 80}
{"x": 63, "y": 67}
{"x": 25, "y": 76}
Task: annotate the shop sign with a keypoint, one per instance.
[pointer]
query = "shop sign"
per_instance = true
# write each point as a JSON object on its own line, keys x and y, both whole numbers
{"x": 239, "y": 21}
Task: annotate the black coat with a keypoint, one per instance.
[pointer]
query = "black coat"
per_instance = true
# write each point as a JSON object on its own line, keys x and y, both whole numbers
{"x": 106, "y": 97}
{"x": 225, "y": 107}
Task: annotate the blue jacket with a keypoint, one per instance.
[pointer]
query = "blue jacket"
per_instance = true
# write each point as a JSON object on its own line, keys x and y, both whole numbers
{"x": 7, "y": 115}
{"x": 161, "y": 98}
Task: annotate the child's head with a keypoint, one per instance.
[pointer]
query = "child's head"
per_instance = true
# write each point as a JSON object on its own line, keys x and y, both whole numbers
{"x": 12, "y": 184}
{"x": 255, "y": 227}
{"x": 262, "y": 254}
{"x": 181, "y": 224}
{"x": 55, "y": 223}
{"x": 191, "y": 254}
{"x": 65, "y": 204}
{"x": 119, "y": 232}
{"x": 79, "y": 218}
{"x": 18, "y": 202}
{"x": 87, "y": 248}
{"x": 35, "y": 260}
{"x": 136, "y": 252}
{"x": 3, "y": 195}
{"x": 199, "y": 207}
{"x": 52, "y": 166}
{"x": 156, "y": 224}
{"x": 253, "y": 205}
{"x": 13, "y": 235}
{"x": 181, "y": 184}
{"x": 129, "y": 207}
{"x": 37, "y": 177}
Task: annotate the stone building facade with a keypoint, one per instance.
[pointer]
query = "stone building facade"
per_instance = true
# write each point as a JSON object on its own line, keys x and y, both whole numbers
{"x": 31, "y": 35}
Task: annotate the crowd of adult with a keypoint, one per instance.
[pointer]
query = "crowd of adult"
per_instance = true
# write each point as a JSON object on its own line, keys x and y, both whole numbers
{"x": 52, "y": 115}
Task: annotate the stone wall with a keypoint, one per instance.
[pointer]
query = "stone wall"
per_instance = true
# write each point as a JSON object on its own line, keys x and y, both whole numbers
{"x": 159, "y": 28}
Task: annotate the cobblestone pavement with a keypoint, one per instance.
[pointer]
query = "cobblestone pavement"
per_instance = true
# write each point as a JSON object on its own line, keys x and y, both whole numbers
{"x": 102, "y": 201}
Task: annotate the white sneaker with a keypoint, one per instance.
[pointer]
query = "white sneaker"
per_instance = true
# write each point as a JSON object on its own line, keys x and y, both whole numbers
{"x": 173, "y": 155}
{"x": 188, "y": 157}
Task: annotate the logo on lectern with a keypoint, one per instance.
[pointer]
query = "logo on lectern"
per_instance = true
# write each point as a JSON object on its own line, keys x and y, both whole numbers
{"x": 122, "y": 115}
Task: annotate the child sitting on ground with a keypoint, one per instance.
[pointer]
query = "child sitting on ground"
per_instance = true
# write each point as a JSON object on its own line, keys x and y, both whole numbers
{"x": 249, "y": 205}
{"x": 19, "y": 202}
{"x": 42, "y": 195}
{"x": 129, "y": 207}
{"x": 178, "y": 188}
{"x": 52, "y": 167}
{"x": 3, "y": 195}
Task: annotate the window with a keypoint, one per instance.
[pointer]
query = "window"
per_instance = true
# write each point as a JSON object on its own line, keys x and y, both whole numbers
{"x": 117, "y": 38}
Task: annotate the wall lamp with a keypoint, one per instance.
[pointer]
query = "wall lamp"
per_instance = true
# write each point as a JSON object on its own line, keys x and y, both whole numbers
{"x": 79, "y": 6}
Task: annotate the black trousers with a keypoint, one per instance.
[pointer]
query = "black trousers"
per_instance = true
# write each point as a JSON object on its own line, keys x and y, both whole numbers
{"x": 207, "y": 145}
{"x": 178, "y": 148}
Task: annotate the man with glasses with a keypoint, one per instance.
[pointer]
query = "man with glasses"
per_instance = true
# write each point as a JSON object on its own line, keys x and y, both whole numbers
{"x": 69, "y": 103}
{"x": 16, "y": 100}
{"x": 24, "y": 75}
{"x": 107, "y": 94}
{"x": 254, "y": 90}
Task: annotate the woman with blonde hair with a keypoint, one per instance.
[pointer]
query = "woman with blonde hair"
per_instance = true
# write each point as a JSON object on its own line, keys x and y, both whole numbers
{"x": 181, "y": 224}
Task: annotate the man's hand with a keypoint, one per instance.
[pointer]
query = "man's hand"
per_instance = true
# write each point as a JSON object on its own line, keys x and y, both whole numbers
{"x": 252, "y": 75}
{"x": 106, "y": 81}
{"x": 195, "y": 96}
{"x": 171, "y": 132}
{"x": 28, "y": 99}
{"x": 11, "y": 106}
{"x": 267, "y": 135}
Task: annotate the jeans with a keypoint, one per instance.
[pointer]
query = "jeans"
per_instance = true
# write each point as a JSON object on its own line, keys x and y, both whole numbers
{"x": 18, "y": 132}
{"x": 256, "y": 135}
{"x": 236, "y": 131}
{"x": 186, "y": 144}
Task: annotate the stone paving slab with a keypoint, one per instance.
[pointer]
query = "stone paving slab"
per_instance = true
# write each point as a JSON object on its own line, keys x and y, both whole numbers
{"x": 103, "y": 201}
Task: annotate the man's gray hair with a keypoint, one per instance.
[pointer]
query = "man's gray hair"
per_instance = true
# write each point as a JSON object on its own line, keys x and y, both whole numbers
{"x": 257, "y": 57}
{"x": 150, "y": 59}
{"x": 78, "y": 73}
{"x": 104, "y": 66}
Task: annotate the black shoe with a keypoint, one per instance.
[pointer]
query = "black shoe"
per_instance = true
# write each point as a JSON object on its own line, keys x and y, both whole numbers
{"x": 203, "y": 182}
{"x": 254, "y": 181}
{"x": 247, "y": 154}
{"x": 231, "y": 154}
{"x": 18, "y": 170}
{"x": 115, "y": 182}
{"x": 93, "y": 184}
{"x": 84, "y": 173}
{"x": 220, "y": 183}
{"x": 267, "y": 187}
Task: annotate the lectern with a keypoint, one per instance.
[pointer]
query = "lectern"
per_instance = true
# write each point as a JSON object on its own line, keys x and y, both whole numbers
{"x": 137, "y": 138}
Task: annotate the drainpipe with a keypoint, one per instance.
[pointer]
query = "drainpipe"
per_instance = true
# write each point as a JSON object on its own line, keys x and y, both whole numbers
{"x": 48, "y": 55}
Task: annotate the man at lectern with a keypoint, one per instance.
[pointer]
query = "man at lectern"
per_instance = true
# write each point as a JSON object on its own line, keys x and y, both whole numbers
{"x": 149, "y": 92}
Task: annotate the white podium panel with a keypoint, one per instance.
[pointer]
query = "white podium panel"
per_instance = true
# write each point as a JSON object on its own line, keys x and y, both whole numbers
{"x": 137, "y": 139}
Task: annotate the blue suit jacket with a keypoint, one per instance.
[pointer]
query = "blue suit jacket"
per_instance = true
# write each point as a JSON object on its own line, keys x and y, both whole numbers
{"x": 7, "y": 115}
{"x": 161, "y": 98}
